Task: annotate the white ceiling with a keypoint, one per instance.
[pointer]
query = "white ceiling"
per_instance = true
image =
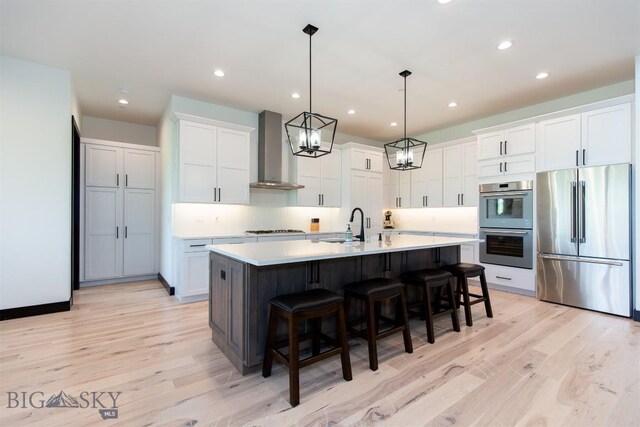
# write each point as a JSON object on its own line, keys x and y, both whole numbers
{"x": 159, "y": 48}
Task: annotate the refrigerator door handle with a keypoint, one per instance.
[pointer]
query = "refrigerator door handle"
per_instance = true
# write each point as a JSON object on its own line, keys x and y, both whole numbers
{"x": 583, "y": 218}
{"x": 580, "y": 259}
{"x": 574, "y": 212}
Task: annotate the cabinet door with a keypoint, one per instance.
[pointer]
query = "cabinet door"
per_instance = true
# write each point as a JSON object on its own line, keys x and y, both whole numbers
{"x": 139, "y": 169}
{"x": 519, "y": 140}
{"x": 331, "y": 179}
{"x": 606, "y": 136}
{"x": 452, "y": 175}
{"x": 103, "y": 166}
{"x": 490, "y": 167}
{"x": 404, "y": 189}
{"x": 359, "y": 159}
{"x": 139, "y": 225}
{"x": 233, "y": 166}
{"x": 309, "y": 170}
{"x": 469, "y": 190}
{"x": 519, "y": 164}
{"x": 419, "y": 185}
{"x": 103, "y": 233}
{"x": 197, "y": 162}
{"x": 195, "y": 274}
{"x": 433, "y": 162}
{"x": 359, "y": 199}
{"x": 375, "y": 204}
{"x": 468, "y": 253}
{"x": 558, "y": 143}
{"x": 390, "y": 188}
{"x": 375, "y": 161}
{"x": 489, "y": 145}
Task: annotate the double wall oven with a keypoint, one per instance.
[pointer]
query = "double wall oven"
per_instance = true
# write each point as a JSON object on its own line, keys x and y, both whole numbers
{"x": 506, "y": 224}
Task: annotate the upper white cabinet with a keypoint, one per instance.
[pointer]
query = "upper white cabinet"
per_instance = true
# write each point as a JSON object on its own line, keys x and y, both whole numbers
{"x": 113, "y": 166}
{"x": 213, "y": 164}
{"x": 321, "y": 178}
{"x": 592, "y": 138}
{"x": 506, "y": 152}
{"x": 398, "y": 189}
{"x": 460, "y": 181}
{"x": 426, "y": 182}
{"x": 364, "y": 159}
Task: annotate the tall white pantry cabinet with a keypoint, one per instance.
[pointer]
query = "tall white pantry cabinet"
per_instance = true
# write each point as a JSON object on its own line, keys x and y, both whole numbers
{"x": 119, "y": 210}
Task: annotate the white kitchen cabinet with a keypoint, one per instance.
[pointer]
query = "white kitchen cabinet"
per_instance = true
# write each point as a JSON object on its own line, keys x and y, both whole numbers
{"x": 507, "y": 152}
{"x": 321, "y": 178}
{"x": 118, "y": 212}
{"x": 213, "y": 164}
{"x": 362, "y": 186}
{"x": 426, "y": 182}
{"x": 468, "y": 251}
{"x": 364, "y": 159}
{"x": 113, "y": 166}
{"x": 592, "y": 138}
{"x": 139, "y": 233}
{"x": 460, "y": 181}
{"x": 398, "y": 189}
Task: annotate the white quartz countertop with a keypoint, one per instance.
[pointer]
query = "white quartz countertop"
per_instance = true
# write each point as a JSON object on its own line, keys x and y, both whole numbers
{"x": 286, "y": 252}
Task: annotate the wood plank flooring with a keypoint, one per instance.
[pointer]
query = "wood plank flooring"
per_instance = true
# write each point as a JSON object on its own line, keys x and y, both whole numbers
{"x": 533, "y": 364}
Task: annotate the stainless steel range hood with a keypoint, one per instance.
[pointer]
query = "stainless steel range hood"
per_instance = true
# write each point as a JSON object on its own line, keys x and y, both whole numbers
{"x": 270, "y": 153}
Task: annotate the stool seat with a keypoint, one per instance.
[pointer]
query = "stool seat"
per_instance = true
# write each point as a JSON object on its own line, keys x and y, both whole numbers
{"x": 427, "y": 275}
{"x": 312, "y": 299}
{"x": 470, "y": 270}
{"x": 375, "y": 286}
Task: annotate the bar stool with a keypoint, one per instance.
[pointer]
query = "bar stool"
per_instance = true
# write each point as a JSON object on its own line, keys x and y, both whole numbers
{"x": 311, "y": 304}
{"x": 432, "y": 281}
{"x": 373, "y": 292}
{"x": 464, "y": 271}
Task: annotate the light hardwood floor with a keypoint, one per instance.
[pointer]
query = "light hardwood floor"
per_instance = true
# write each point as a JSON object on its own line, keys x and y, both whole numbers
{"x": 533, "y": 364}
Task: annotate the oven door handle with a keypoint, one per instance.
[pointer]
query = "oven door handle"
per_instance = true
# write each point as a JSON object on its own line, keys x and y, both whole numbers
{"x": 518, "y": 233}
{"x": 504, "y": 193}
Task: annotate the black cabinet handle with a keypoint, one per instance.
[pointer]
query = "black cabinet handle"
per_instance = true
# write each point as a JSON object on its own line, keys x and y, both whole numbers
{"x": 583, "y": 157}
{"x": 577, "y": 162}
{"x": 505, "y": 166}
{"x": 126, "y": 179}
{"x": 125, "y": 231}
{"x": 458, "y": 199}
{"x": 501, "y": 167}
{"x": 117, "y": 232}
{"x": 505, "y": 147}
{"x": 503, "y": 278}
{"x": 323, "y": 200}
{"x": 426, "y": 200}
{"x": 400, "y": 201}
{"x": 501, "y": 148}
{"x": 462, "y": 199}
{"x": 117, "y": 180}
{"x": 198, "y": 246}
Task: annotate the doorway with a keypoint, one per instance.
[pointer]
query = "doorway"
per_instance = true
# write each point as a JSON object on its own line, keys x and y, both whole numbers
{"x": 75, "y": 207}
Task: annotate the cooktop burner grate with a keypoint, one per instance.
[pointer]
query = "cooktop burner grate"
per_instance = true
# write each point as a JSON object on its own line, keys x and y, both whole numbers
{"x": 273, "y": 231}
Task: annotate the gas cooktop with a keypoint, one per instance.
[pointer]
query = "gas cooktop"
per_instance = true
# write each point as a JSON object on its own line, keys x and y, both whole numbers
{"x": 273, "y": 231}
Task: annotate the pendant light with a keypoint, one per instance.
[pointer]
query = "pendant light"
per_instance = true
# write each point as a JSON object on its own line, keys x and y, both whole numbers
{"x": 311, "y": 134}
{"x": 405, "y": 153}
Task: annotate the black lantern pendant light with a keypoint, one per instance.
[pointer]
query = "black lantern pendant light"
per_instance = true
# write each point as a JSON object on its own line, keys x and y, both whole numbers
{"x": 311, "y": 134}
{"x": 405, "y": 153}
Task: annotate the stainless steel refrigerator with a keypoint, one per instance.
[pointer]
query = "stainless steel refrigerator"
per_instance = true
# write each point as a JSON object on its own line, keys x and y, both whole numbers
{"x": 584, "y": 238}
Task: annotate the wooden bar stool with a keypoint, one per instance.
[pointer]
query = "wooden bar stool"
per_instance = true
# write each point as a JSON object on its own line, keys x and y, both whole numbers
{"x": 464, "y": 271}
{"x": 432, "y": 281}
{"x": 312, "y": 305}
{"x": 373, "y": 292}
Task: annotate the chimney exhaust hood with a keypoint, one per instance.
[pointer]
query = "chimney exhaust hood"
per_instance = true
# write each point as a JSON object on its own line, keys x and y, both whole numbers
{"x": 270, "y": 153}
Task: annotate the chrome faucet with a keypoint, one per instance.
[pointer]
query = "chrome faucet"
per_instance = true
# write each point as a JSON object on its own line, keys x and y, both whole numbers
{"x": 353, "y": 212}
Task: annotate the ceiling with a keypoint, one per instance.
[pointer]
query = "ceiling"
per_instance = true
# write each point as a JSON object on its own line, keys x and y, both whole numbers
{"x": 159, "y": 48}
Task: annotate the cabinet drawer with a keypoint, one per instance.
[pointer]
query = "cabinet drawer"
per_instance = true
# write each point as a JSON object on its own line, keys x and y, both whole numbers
{"x": 195, "y": 245}
{"x": 520, "y": 278}
{"x": 231, "y": 240}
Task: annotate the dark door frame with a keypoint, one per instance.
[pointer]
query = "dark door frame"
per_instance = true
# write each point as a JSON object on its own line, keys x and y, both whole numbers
{"x": 75, "y": 207}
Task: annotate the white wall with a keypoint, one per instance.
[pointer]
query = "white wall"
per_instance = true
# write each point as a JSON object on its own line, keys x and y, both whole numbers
{"x": 636, "y": 174}
{"x": 114, "y": 130}
{"x": 35, "y": 184}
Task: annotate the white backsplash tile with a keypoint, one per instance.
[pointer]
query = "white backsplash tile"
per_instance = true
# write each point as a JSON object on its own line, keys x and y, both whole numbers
{"x": 452, "y": 220}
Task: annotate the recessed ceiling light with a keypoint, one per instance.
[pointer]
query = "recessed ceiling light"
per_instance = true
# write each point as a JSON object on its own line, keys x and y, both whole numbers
{"x": 443, "y": 1}
{"x": 542, "y": 75}
{"x": 394, "y": 124}
{"x": 124, "y": 90}
{"x": 453, "y": 104}
{"x": 218, "y": 73}
{"x": 295, "y": 95}
{"x": 351, "y": 112}
{"x": 505, "y": 45}
{"x": 123, "y": 101}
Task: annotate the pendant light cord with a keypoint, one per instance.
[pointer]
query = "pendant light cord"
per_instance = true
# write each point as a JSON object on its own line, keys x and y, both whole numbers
{"x": 310, "y": 35}
{"x": 405, "y": 107}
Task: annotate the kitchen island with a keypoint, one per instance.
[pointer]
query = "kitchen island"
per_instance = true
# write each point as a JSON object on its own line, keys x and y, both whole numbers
{"x": 244, "y": 277}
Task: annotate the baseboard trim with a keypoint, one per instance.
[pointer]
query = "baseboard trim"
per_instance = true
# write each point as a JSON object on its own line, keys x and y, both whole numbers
{"x": 636, "y": 315}
{"x": 117, "y": 280}
{"x": 511, "y": 290}
{"x": 170, "y": 289}
{"x": 34, "y": 310}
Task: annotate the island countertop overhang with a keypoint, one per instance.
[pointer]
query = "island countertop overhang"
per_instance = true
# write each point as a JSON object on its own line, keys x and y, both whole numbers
{"x": 287, "y": 252}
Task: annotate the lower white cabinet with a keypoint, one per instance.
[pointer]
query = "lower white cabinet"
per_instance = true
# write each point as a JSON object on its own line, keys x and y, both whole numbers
{"x": 519, "y": 278}
{"x": 119, "y": 233}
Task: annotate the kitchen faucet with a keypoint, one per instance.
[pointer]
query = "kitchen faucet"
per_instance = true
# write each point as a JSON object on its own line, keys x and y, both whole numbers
{"x": 353, "y": 212}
